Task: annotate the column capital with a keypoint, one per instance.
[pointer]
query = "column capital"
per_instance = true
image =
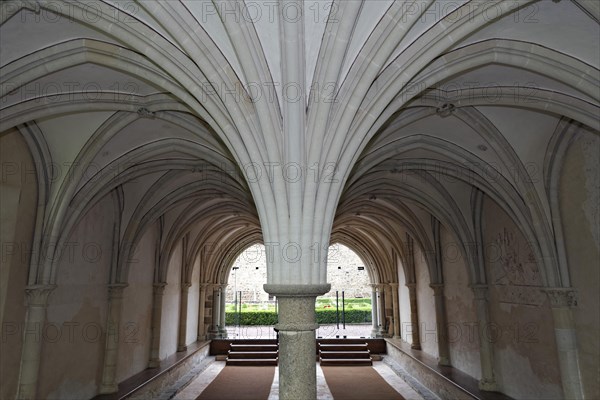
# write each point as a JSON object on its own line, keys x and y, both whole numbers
{"x": 411, "y": 285}
{"x": 438, "y": 288}
{"x": 297, "y": 290}
{"x": 159, "y": 288}
{"x": 37, "y": 295}
{"x": 394, "y": 285}
{"x": 223, "y": 286}
{"x": 204, "y": 285}
{"x": 561, "y": 297}
{"x": 115, "y": 290}
{"x": 185, "y": 286}
{"x": 480, "y": 291}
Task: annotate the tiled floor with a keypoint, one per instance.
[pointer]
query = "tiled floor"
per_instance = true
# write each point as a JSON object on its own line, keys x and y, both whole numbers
{"x": 191, "y": 391}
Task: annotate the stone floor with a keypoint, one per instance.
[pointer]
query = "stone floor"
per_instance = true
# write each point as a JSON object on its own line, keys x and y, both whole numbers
{"x": 191, "y": 391}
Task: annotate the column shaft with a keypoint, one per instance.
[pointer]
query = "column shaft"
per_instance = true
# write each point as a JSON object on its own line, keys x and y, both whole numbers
{"x": 157, "y": 305}
{"x": 486, "y": 349}
{"x": 202, "y": 312}
{"x": 441, "y": 325}
{"x": 183, "y": 316}
{"x": 216, "y": 302}
{"x": 297, "y": 345}
{"x": 396, "y": 308}
{"x": 37, "y": 302}
{"x": 381, "y": 307}
{"x": 374, "y": 311}
{"x": 562, "y": 300}
{"x": 111, "y": 345}
{"x": 222, "y": 310}
{"x": 414, "y": 316}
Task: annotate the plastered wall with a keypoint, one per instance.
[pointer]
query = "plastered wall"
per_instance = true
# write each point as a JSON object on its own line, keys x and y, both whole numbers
{"x": 521, "y": 328}
{"x": 171, "y": 304}
{"x": 460, "y": 308}
{"x": 18, "y": 196}
{"x": 136, "y": 314}
{"x": 427, "y": 324}
{"x": 579, "y": 195}
{"x": 74, "y": 338}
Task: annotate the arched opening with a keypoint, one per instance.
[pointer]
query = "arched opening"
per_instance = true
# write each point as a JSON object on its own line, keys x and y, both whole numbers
{"x": 345, "y": 311}
{"x": 250, "y": 312}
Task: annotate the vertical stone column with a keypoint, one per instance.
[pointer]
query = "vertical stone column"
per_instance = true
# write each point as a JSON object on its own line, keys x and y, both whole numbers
{"x": 414, "y": 316}
{"x": 222, "y": 309}
{"x": 216, "y": 302}
{"x": 396, "y": 307}
{"x": 202, "y": 312}
{"x": 441, "y": 324}
{"x": 157, "y": 306}
{"x": 37, "y": 303}
{"x": 111, "y": 346}
{"x": 297, "y": 344}
{"x": 561, "y": 301}
{"x": 486, "y": 349}
{"x": 374, "y": 312}
{"x": 183, "y": 316}
{"x": 381, "y": 307}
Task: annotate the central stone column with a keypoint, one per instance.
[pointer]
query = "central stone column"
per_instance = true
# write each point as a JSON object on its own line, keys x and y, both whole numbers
{"x": 297, "y": 344}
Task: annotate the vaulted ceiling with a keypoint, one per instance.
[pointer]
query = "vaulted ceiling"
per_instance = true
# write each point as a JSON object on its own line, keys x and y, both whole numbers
{"x": 175, "y": 108}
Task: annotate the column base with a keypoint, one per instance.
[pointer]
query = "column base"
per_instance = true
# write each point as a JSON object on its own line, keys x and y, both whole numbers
{"x": 415, "y": 346}
{"x": 213, "y": 334}
{"x": 181, "y": 348}
{"x": 154, "y": 363}
{"x": 444, "y": 362}
{"x": 487, "y": 385}
{"x": 108, "y": 389}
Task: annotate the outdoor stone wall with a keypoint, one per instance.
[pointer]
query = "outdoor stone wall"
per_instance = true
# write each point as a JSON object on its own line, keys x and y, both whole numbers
{"x": 342, "y": 274}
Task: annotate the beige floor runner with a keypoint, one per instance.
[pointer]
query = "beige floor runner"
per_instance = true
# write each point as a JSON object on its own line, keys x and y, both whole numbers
{"x": 240, "y": 383}
{"x": 358, "y": 383}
